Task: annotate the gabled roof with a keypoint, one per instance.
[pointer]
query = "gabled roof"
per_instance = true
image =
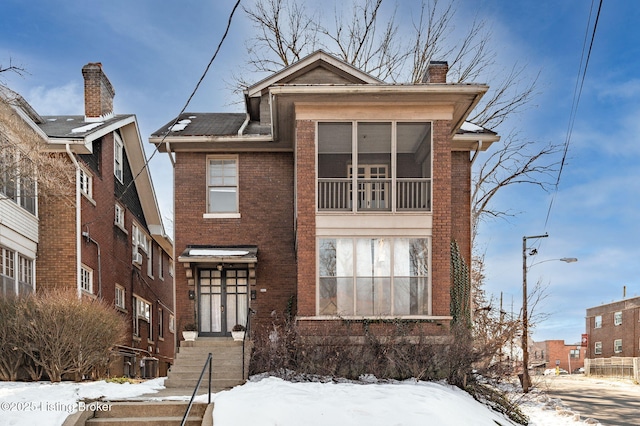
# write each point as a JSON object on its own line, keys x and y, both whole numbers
{"x": 74, "y": 130}
{"x": 80, "y": 134}
{"x": 317, "y": 59}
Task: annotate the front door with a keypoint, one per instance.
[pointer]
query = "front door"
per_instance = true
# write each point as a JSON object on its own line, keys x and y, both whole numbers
{"x": 223, "y": 300}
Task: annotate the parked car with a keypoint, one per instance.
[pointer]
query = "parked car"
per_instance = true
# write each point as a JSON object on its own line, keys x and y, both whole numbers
{"x": 578, "y": 371}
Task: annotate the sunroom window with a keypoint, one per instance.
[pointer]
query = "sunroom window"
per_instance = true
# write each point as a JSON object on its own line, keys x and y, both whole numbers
{"x": 374, "y": 166}
{"x": 373, "y": 276}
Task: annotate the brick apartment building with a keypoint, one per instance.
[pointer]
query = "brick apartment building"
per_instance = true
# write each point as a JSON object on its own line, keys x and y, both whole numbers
{"x": 555, "y": 353}
{"x": 335, "y": 196}
{"x": 612, "y": 329}
{"x": 106, "y": 239}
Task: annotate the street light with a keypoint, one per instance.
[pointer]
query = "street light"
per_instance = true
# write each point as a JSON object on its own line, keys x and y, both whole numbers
{"x": 526, "y": 382}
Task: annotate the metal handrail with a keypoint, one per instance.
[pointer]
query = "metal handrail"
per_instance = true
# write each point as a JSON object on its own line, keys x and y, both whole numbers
{"x": 195, "y": 391}
{"x": 247, "y": 327}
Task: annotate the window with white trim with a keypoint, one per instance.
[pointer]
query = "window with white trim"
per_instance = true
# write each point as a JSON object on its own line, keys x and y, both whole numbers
{"x": 172, "y": 323}
{"x": 617, "y": 318}
{"x": 7, "y": 272}
{"x": 160, "y": 263}
{"x": 119, "y": 216}
{"x": 597, "y": 348}
{"x": 574, "y": 353}
{"x": 373, "y": 276}
{"x": 160, "y": 323}
{"x": 617, "y": 346}
{"x": 86, "y": 183}
{"x": 86, "y": 279}
{"x": 222, "y": 185}
{"x": 118, "y": 149}
{"x": 598, "y": 321}
{"x": 119, "y": 299}
{"x": 142, "y": 312}
{"x": 17, "y": 175}
{"x": 150, "y": 261}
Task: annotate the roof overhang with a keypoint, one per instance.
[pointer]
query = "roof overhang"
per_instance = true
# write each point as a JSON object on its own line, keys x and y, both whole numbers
{"x": 219, "y": 255}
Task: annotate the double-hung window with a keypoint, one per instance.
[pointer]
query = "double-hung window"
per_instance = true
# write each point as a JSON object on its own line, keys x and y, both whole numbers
{"x": 86, "y": 183}
{"x": 617, "y": 318}
{"x": 86, "y": 279}
{"x": 119, "y": 300}
{"x": 598, "y": 321}
{"x": 7, "y": 272}
{"x": 119, "y": 216}
{"x": 597, "y": 348}
{"x": 118, "y": 157}
{"x": 617, "y": 346}
{"x": 222, "y": 186}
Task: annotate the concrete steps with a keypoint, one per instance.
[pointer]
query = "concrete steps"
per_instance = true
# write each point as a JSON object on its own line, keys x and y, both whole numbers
{"x": 138, "y": 413}
{"x": 226, "y": 365}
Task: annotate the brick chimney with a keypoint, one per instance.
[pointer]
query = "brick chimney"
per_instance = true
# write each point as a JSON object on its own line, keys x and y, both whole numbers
{"x": 98, "y": 93}
{"x": 436, "y": 72}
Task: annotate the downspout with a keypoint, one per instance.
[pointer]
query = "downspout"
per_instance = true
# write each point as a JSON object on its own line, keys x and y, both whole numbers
{"x": 244, "y": 125}
{"x": 475, "y": 154}
{"x": 78, "y": 220}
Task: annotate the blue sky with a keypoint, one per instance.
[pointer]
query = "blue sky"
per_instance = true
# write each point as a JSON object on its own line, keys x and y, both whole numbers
{"x": 154, "y": 52}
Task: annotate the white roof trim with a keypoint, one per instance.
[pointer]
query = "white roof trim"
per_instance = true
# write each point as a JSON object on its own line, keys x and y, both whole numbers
{"x": 257, "y": 88}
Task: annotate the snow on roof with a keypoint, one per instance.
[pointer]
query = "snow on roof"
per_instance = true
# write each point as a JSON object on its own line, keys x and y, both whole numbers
{"x": 87, "y": 127}
{"x": 217, "y": 252}
{"x": 470, "y": 127}
{"x": 181, "y": 125}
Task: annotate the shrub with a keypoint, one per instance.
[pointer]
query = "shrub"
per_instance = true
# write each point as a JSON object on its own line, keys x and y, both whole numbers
{"x": 58, "y": 334}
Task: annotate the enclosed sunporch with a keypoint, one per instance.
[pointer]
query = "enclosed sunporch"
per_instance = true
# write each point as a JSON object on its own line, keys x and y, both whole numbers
{"x": 374, "y": 166}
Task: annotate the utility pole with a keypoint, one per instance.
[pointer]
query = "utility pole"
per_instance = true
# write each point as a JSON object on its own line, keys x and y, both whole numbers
{"x": 526, "y": 382}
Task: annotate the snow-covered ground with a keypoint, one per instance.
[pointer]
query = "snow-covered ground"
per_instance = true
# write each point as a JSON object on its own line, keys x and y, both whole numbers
{"x": 270, "y": 401}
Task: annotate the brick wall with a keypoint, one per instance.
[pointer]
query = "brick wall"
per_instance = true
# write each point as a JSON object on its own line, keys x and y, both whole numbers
{"x": 305, "y": 217}
{"x": 461, "y": 202}
{"x": 609, "y": 332}
{"x": 442, "y": 220}
{"x": 98, "y": 91}
{"x": 266, "y": 209}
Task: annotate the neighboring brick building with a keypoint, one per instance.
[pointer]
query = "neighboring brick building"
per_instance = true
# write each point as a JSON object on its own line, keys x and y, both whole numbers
{"x": 105, "y": 238}
{"x": 335, "y": 196}
{"x": 612, "y": 329}
{"x": 555, "y": 353}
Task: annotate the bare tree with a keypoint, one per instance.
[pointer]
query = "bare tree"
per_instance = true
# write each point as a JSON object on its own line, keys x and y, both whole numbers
{"x": 25, "y": 162}
{"x": 365, "y": 39}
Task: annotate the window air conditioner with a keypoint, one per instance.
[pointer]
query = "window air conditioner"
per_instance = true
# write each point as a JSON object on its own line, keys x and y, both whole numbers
{"x": 137, "y": 258}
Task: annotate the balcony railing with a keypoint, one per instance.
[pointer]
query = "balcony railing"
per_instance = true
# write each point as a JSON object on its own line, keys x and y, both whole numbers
{"x": 374, "y": 194}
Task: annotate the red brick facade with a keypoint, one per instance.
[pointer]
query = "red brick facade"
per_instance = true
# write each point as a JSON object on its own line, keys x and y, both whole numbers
{"x": 608, "y": 330}
{"x": 266, "y": 220}
{"x": 106, "y": 248}
{"x": 552, "y": 353}
{"x": 277, "y": 197}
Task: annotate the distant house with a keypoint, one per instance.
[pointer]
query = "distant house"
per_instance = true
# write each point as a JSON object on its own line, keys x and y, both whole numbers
{"x": 104, "y": 238}
{"x": 555, "y": 353}
{"x": 334, "y": 196}
{"x": 612, "y": 329}
{"x": 18, "y": 194}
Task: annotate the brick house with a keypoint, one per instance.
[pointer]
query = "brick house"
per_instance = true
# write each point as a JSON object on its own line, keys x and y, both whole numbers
{"x": 552, "y": 353}
{"x": 334, "y": 196}
{"x": 106, "y": 239}
{"x": 612, "y": 329}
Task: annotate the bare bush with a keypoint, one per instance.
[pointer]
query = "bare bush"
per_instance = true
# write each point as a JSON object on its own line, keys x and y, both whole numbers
{"x": 387, "y": 349}
{"x": 11, "y": 357}
{"x": 56, "y": 333}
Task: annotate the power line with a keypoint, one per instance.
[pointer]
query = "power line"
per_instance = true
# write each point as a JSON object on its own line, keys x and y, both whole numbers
{"x": 155, "y": 151}
{"x": 577, "y": 92}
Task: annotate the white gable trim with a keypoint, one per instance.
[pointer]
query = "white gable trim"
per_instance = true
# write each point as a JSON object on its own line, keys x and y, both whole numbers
{"x": 319, "y": 55}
